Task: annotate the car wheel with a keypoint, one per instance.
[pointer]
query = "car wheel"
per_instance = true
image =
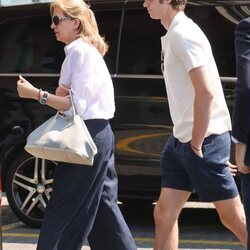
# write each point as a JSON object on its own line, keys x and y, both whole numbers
{"x": 28, "y": 188}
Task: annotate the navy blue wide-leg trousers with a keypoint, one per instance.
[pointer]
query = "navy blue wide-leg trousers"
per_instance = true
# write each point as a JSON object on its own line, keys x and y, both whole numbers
{"x": 83, "y": 204}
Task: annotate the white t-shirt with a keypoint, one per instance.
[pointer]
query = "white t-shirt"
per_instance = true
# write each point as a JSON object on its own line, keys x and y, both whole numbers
{"x": 85, "y": 72}
{"x": 185, "y": 47}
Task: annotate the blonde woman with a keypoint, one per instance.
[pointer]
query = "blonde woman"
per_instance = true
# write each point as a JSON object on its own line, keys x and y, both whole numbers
{"x": 83, "y": 204}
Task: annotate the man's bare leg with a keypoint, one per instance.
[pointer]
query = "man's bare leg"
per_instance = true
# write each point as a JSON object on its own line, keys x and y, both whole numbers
{"x": 232, "y": 216}
{"x": 166, "y": 214}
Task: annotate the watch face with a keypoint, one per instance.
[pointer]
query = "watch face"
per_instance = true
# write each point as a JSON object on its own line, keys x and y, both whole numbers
{"x": 43, "y": 101}
{"x": 44, "y": 98}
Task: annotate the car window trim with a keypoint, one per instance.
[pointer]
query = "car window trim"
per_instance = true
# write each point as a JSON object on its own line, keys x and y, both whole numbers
{"x": 224, "y": 79}
{"x": 119, "y": 37}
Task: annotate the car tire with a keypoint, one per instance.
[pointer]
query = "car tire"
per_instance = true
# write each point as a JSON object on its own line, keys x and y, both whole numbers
{"x": 28, "y": 188}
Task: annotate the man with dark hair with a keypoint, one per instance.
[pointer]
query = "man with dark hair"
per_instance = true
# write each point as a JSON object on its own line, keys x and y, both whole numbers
{"x": 241, "y": 115}
{"x": 177, "y": 4}
{"x": 195, "y": 157}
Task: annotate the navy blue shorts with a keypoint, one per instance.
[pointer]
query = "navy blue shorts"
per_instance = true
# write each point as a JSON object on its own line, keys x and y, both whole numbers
{"x": 209, "y": 177}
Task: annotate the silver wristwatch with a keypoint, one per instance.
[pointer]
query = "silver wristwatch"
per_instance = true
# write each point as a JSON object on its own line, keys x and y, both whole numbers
{"x": 44, "y": 98}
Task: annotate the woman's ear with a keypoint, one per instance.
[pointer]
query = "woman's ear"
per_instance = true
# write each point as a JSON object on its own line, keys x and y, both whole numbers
{"x": 76, "y": 23}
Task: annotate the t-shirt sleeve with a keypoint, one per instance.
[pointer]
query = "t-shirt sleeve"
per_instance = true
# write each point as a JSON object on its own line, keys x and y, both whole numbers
{"x": 191, "y": 49}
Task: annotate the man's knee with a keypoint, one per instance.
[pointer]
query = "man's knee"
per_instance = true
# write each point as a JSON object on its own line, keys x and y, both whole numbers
{"x": 164, "y": 217}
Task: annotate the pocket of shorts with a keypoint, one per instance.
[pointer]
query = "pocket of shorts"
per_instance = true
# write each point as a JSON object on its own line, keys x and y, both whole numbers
{"x": 207, "y": 162}
{"x": 193, "y": 154}
{"x": 200, "y": 164}
{"x": 209, "y": 147}
{"x": 195, "y": 163}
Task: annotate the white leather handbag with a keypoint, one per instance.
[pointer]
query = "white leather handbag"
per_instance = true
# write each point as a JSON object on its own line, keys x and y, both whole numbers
{"x": 64, "y": 139}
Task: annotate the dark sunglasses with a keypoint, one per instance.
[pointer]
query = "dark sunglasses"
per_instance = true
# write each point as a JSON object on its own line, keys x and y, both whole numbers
{"x": 57, "y": 19}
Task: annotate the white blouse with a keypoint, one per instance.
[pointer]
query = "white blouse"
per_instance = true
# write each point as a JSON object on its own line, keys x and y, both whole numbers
{"x": 86, "y": 73}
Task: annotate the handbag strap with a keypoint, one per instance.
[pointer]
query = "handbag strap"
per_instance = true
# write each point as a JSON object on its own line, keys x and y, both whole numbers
{"x": 72, "y": 102}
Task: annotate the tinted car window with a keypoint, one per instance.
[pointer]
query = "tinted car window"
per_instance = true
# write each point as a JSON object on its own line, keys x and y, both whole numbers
{"x": 140, "y": 44}
{"x": 24, "y": 49}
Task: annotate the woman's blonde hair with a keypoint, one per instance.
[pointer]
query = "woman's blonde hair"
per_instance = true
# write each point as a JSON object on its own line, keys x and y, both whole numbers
{"x": 88, "y": 29}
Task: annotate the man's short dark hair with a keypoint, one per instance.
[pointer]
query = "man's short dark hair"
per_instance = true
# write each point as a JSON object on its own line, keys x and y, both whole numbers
{"x": 177, "y": 4}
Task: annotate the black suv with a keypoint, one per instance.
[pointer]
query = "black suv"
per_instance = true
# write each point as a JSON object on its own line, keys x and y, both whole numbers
{"x": 142, "y": 121}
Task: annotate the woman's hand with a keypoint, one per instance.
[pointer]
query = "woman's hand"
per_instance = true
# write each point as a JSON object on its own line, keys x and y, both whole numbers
{"x": 26, "y": 89}
{"x": 62, "y": 90}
